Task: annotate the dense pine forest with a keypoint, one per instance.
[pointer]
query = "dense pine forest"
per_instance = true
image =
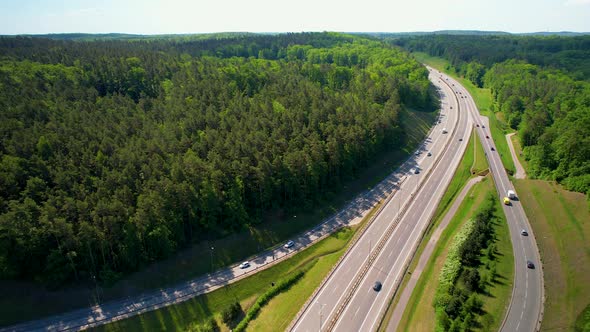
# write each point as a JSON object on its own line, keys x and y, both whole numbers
{"x": 541, "y": 86}
{"x": 114, "y": 153}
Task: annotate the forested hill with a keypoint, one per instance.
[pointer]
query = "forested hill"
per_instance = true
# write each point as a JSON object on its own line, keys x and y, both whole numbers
{"x": 570, "y": 54}
{"x": 540, "y": 87}
{"x": 114, "y": 154}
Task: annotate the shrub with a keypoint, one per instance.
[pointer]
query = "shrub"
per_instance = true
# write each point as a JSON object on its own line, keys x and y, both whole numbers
{"x": 231, "y": 313}
{"x": 266, "y": 297}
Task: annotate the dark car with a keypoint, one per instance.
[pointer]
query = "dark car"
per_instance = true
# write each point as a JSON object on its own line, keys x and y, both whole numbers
{"x": 460, "y": 140}
{"x": 493, "y": 148}
{"x": 530, "y": 265}
{"x": 477, "y": 125}
{"x": 487, "y": 136}
{"x": 377, "y": 286}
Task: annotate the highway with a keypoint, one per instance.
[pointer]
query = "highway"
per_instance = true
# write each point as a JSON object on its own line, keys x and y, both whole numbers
{"x": 347, "y": 301}
{"x": 525, "y": 310}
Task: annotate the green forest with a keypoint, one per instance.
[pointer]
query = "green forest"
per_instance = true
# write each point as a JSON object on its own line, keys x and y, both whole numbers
{"x": 118, "y": 153}
{"x": 541, "y": 85}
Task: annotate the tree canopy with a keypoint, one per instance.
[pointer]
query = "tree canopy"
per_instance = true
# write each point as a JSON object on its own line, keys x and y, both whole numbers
{"x": 114, "y": 154}
{"x": 541, "y": 85}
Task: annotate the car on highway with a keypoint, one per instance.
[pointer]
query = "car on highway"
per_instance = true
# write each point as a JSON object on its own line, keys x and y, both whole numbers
{"x": 429, "y": 154}
{"x": 476, "y": 125}
{"x": 506, "y": 201}
{"x": 377, "y": 286}
{"x": 492, "y": 148}
{"x": 245, "y": 265}
{"x": 289, "y": 244}
{"x": 483, "y": 126}
{"x": 460, "y": 140}
{"x": 487, "y": 136}
{"x": 524, "y": 232}
{"x": 530, "y": 264}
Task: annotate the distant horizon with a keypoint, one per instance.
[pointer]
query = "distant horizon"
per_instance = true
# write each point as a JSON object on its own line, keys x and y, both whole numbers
{"x": 318, "y": 31}
{"x": 154, "y": 17}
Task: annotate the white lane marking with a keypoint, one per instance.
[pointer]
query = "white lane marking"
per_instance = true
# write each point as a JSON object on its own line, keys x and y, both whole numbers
{"x": 335, "y": 289}
{"x": 404, "y": 184}
{"x": 453, "y": 158}
{"x": 446, "y": 178}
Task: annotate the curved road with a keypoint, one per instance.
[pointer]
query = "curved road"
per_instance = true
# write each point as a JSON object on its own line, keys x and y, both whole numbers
{"x": 351, "y": 214}
{"x": 520, "y": 172}
{"x": 526, "y": 307}
{"x": 347, "y": 301}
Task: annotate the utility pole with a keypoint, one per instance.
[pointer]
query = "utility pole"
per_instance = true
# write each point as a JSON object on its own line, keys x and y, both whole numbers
{"x": 212, "y": 248}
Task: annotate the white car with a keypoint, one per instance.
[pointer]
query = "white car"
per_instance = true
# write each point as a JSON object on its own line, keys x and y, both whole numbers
{"x": 289, "y": 244}
{"x": 245, "y": 265}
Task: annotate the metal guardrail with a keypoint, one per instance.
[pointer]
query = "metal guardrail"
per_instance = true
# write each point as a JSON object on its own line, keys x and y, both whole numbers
{"x": 359, "y": 277}
{"x": 397, "y": 282}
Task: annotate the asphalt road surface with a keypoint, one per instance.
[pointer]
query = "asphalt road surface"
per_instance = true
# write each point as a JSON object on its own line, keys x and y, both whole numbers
{"x": 347, "y": 301}
{"x": 526, "y": 307}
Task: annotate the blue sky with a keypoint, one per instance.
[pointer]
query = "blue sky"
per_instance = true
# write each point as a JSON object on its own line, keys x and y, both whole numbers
{"x": 201, "y": 16}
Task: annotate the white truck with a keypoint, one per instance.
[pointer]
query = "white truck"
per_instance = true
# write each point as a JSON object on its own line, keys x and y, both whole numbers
{"x": 511, "y": 194}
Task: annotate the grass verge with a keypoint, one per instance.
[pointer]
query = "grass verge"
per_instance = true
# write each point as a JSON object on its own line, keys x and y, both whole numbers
{"x": 281, "y": 310}
{"x": 561, "y": 223}
{"x": 483, "y": 100}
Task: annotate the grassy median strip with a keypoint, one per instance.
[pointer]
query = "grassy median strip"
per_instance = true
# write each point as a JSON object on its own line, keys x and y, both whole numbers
{"x": 473, "y": 158}
{"x": 462, "y": 174}
{"x": 561, "y": 223}
{"x": 483, "y": 100}
{"x": 420, "y": 314}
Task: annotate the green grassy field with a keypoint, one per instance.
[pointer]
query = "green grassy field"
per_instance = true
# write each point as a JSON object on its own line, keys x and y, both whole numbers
{"x": 419, "y": 314}
{"x": 561, "y": 223}
{"x": 199, "y": 309}
{"x": 483, "y": 100}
